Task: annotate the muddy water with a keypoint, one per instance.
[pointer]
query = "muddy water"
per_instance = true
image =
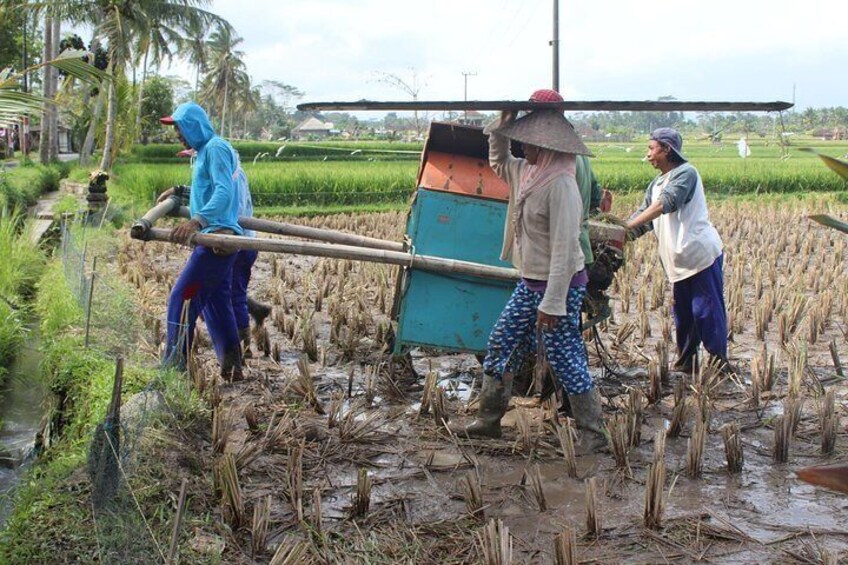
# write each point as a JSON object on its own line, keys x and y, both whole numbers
{"x": 22, "y": 405}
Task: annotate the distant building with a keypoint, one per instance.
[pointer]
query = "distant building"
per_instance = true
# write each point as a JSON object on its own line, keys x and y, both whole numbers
{"x": 313, "y": 128}
{"x": 65, "y": 141}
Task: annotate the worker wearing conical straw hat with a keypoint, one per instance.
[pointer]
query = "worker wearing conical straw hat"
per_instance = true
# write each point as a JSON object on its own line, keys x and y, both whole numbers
{"x": 542, "y": 239}
{"x": 690, "y": 249}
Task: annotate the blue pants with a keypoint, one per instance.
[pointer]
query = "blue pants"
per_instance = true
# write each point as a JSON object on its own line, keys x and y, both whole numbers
{"x": 699, "y": 312}
{"x": 205, "y": 280}
{"x": 514, "y": 336}
{"x": 241, "y": 277}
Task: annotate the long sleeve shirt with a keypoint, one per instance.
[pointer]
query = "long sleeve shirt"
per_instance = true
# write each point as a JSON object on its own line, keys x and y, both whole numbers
{"x": 542, "y": 233}
{"x": 687, "y": 241}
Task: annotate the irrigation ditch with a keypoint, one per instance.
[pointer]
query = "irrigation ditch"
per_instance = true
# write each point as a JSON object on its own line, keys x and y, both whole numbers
{"x": 24, "y": 402}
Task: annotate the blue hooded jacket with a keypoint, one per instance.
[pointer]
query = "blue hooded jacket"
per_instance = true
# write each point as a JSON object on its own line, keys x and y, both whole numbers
{"x": 215, "y": 196}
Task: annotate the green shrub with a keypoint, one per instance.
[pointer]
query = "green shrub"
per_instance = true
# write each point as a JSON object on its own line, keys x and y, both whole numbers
{"x": 20, "y": 187}
{"x": 21, "y": 266}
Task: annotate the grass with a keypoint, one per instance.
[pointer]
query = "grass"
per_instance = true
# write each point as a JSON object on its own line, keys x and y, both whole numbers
{"x": 52, "y": 511}
{"x": 296, "y": 184}
{"x": 20, "y": 269}
{"x": 288, "y": 150}
{"x": 357, "y": 180}
{"x": 22, "y": 185}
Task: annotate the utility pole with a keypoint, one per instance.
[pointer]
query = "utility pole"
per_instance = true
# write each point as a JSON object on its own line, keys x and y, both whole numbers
{"x": 555, "y": 44}
{"x": 465, "y": 75}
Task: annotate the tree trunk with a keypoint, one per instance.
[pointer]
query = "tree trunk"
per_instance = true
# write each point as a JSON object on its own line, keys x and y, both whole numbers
{"x": 224, "y": 110}
{"x": 54, "y": 89}
{"x": 88, "y": 145}
{"x": 141, "y": 91}
{"x": 10, "y": 144}
{"x": 111, "y": 118}
{"x": 44, "y": 137}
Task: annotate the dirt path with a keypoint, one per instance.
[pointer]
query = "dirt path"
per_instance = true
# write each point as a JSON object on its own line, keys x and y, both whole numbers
{"x": 301, "y": 435}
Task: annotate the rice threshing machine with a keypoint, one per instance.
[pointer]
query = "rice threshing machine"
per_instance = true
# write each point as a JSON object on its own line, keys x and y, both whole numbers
{"x": 458, "y": 212}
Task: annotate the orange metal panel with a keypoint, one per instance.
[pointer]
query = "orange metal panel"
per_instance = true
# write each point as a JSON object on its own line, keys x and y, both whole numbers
{"x": 461, "y": 174}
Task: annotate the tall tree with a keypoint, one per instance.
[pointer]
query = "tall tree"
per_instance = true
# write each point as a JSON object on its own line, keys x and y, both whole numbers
{"x": 198, "y": 55}
{"x": 120, "y": 24}
{"x": 227, "y": 74}
{"x": 47, "y": 110}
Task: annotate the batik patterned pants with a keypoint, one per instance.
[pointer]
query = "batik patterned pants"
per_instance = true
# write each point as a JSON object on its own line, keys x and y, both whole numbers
{"x": 514, "y": 336}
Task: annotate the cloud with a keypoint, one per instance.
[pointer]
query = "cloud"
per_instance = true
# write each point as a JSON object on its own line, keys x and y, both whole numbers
{"x": 615, "y": 50}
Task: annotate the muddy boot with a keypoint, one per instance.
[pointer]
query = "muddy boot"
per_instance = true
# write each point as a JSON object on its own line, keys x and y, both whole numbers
{"x": 231, "y": 366}
{"x": 244, "y": 338}
{"x": 725, "y": 367}
{"x": 258, "y": 311}
{"x": 589, "y": 417}
{"x": 494, "y": 399}
{"x": 686, "y": 365}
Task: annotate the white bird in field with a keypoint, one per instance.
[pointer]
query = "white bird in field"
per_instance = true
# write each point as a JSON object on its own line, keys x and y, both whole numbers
{"x": 356, "y": 151}
{"x": 280, "y": 150}
{"x": 259, "y": 156}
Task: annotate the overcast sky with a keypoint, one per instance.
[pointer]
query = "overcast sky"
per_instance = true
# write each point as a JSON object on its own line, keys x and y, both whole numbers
{"x": 754, "y": 50}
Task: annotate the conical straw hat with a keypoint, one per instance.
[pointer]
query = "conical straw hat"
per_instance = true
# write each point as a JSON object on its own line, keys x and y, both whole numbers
{"x": 548, "y": 129}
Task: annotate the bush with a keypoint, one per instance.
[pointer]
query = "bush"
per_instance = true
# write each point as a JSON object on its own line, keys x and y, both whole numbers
{"x": 20, "y": 187}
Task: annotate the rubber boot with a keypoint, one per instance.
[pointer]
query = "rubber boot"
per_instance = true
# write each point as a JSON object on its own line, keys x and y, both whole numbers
{"x": 686, "y": 365}
{"x": 589, "y": 417}
{"x": 231, "y": 366}
{"x": 494, "y": 399}
{"x": 258, "y": 311}
{"x": 244, "y": 338}
{"x": 725, "y": 367}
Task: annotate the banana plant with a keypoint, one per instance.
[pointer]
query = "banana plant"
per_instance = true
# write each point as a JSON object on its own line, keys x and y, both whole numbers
{"x": 15, "y": 103}
{"x": 841, "y": 169}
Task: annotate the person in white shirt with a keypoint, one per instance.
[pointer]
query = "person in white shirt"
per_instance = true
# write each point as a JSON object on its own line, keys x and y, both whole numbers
{"x": 690, "y": 250}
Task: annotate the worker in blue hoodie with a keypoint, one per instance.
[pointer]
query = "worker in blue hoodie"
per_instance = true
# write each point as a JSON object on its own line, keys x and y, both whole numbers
{"x": 204, "y": 285}
{"x": 244, "y": 307}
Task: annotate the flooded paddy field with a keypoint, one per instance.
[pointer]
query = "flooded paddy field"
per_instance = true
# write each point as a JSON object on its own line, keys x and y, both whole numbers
{"x": 333, "y": 451}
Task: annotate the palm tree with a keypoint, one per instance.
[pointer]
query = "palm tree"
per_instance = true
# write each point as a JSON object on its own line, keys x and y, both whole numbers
{"x": 14, "y": 102}
{"x": 122, "y": 25}
{"x": 126, "y": 20}
{"x": 227, "y": 74}
{"x": 198, "y": 55}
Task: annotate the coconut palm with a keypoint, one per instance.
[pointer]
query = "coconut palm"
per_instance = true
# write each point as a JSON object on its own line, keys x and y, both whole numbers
{"x": 227, "y": 75}
{"x": 129, "y": 27}
{"x": 14, "y": 102}
{"x": 127, "y": 20}
{"x": 194, "y": 44}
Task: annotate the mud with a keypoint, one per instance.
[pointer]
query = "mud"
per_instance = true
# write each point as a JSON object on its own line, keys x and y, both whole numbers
{"x": 417, "y": 467}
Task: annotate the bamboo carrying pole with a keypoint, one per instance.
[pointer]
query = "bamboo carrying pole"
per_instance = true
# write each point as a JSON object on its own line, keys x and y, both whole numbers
{"x": 140, "y": 228}
{"x": 568, "y": 105}
{"x": 422, "y": 262}
{"x": 329, "y": 236}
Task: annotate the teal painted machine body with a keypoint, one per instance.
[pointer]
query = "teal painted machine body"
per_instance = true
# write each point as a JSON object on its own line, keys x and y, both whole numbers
{"x": 447, "y": 311}
{"x": 458, "y": 213}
